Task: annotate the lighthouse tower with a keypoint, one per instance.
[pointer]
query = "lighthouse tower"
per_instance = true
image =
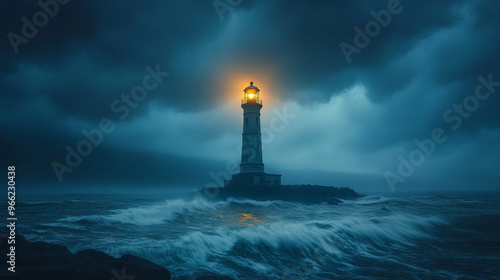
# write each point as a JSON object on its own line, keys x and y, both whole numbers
{"x": 251, "y": 149}
{"x": 251, "y": 166}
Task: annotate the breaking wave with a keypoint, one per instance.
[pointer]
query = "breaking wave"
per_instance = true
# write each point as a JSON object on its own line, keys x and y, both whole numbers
{"x": 340, "y": 240}
{"x": 370, "y": 199}
{"x": 148, "y": 215}
{"x": 374, "y": 237}
{"x": 163, "y": 212}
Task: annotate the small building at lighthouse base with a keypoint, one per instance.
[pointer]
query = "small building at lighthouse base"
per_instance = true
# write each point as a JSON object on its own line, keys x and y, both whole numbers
{"x": 251, "y": 179}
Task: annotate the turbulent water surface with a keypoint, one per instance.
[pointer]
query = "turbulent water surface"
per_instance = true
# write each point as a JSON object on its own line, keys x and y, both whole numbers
{"x": 404, "y": 236}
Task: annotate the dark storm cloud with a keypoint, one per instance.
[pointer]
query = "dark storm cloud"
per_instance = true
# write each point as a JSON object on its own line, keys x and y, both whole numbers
{"x": 116, "y": 39}
{"x": 64, "y": 80}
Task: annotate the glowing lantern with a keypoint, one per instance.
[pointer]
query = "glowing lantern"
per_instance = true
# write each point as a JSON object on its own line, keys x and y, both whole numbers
{"x": 251, "y": 94}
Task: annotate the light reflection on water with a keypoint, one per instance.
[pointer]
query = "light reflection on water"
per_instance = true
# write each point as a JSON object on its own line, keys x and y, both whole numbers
{"x": 240, "y": 217}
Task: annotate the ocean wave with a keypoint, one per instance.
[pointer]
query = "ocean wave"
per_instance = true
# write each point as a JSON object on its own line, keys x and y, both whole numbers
{"x": 264, "y": 203}
{"x": 291, "y": 241}
{"x": 48, "y": 202}
{"x": 64, "y": 225}
{"x": 165, "y": 211}
{"x": 360, "y": 239}
{"x": 330, "y": 236}
{"x": 149, "y": 215}
{"x": 317, "y": 243}
{"x": 369, "y": 199}
{"x": 39, "y": 202}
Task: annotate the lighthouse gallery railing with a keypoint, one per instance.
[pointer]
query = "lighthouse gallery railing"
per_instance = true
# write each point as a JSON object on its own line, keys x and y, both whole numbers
{"x": 251, "y": 100}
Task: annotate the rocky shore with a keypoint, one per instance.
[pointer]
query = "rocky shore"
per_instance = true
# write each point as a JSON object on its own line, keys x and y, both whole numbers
{"x": 46, "y": 261}
{"x": 307, "y": 194}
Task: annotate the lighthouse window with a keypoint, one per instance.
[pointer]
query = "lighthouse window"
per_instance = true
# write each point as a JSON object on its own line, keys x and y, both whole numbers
{"x": 257, "y": 120}
{"x": 246, "y": 120}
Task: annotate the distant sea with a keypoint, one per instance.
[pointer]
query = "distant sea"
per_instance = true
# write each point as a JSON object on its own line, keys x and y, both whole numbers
{"x": 452, "y": 235}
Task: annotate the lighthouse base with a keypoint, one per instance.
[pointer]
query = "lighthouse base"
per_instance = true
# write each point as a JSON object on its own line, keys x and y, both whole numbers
{"x": 250, "y": 179}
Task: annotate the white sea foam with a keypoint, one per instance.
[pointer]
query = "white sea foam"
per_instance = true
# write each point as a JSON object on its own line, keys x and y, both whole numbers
{"x": 369, "y": 199}
{"x": 320, "y": 242}
{"x": 273, "y": 238}
{"x": 331, "y": 238}
{"x": 42, "y": 202}
{"x": 163, "y": 212}
{"x": 150, "y": 215}
{"x": 257, "y": 202}
{"x": 64, "y": 225}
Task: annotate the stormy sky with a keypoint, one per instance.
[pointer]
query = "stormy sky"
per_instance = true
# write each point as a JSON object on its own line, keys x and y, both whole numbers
{"x": 376, "y": 95}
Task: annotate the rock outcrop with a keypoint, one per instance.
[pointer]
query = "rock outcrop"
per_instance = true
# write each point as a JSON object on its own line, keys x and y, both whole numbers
{"x": 307, "y": 194}
{"x": 46, "y": 261}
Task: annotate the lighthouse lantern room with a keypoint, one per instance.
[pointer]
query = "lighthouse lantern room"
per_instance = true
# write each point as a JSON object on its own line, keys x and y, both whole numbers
{"x": 251, "y": 95}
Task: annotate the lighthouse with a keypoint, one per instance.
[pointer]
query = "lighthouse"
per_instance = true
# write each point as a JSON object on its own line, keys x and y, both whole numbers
{"x": 251, "y": 148}
{"x": 251, "y": 165}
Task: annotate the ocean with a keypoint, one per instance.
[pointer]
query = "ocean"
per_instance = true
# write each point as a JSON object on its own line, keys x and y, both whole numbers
{"x": 451, "y": 235}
